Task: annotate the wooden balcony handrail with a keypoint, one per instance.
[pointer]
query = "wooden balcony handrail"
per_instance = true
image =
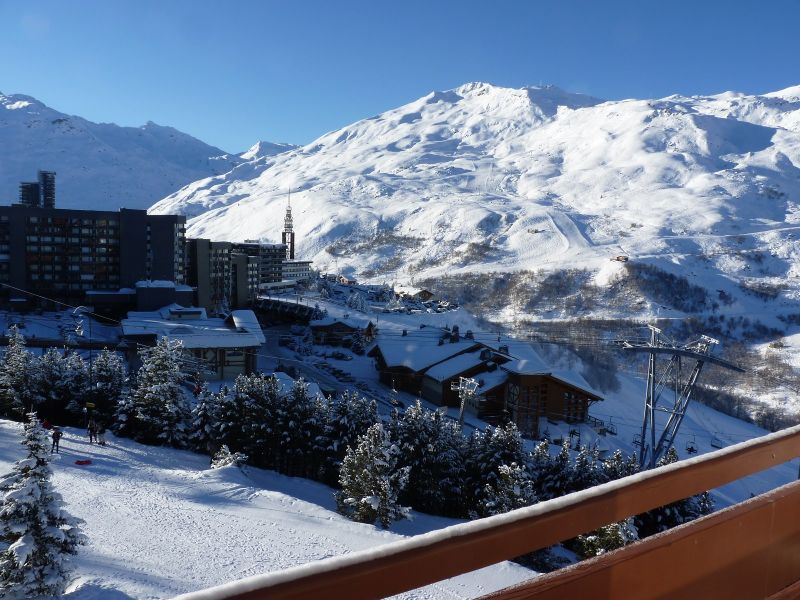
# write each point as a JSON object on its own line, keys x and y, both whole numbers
{"x": 425, "y": 559}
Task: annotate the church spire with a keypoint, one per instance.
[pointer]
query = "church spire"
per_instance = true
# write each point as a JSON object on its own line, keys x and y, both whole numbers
{"x": 287, "y": 237}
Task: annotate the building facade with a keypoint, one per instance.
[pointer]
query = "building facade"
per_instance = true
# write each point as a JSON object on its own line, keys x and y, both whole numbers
{"x": 63, "y": 253}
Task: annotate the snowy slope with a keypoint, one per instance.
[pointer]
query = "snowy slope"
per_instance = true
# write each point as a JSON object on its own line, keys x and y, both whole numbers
{"x": 484, "y": 178}
{"x": 102, "y": 165}
{"x": 160, "y": 524}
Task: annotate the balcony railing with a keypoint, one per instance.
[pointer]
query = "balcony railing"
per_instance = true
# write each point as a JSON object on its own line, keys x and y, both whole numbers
{"x": 750, "y": 550}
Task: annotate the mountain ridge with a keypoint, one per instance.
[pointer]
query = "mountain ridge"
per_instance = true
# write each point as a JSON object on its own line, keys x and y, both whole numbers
{"x": 99, "y": 165}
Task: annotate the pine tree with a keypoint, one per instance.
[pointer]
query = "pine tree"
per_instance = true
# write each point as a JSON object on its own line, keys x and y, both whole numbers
{"x": 203, "y": 435}
{"x": 345, "y": 419}
{"x": 76, "y": 386}
{"x": 487, "y": 451}
{"x": 224, "y": 457}
{"x": 371, "y": 481}
{"x": 37, "y": 534}
{"x": 552, "y": 475}
{"x": 17, "y": 394}
{"x": 108, "y": 378}
{"x": 432, "y": 446}
{"x": 47, "y": 382}
{"x": 157, "y": 411}
{"x": 512, "y": 489}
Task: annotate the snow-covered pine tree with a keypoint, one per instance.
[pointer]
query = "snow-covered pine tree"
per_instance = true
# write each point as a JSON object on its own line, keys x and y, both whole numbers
{"x": 249, "y": 419}
{"x": 203, "y": 435}
{"x": 17, "y": 394}
{"x": 346, "y": 418}
{"x": 371, "y": 481}
{"x": 552, "y": 475}
{"x": 108, "y": 384}
{"x": 36, "y": 534}
{"x": 157, "y": 412}
{"x": 77, "y": 386}
{"x": 224, "y": 457}
{"x": 48, "y": 381}
{"x": 512, "y": 489}
{"x": 433, "y": 448}
{"x": 300, "y": 423}
{"x": 587, "y": 470}
{"x": 607, "y": 538}
{"x": 487, "y": 451}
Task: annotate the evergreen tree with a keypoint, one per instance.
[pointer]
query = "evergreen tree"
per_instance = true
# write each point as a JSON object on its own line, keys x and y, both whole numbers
{"x": 552, "y": 475}
{"x": 37, "y": 535}
{"x": 345, "y": 419}
{"x": 204, "y": 433}
{"x": 432, "y": 446}
{"x": 224, "y": 457}
{"x": 487, "y": 451}
{"x": 108, "y": 377}
{"x": 607, "y": 538}
{"x": 371, "y": 481}
{"x": 299, "y": 423}
{"x": 157, "y": 411}
{"x": 512, "y": 489}
{"x": 76, "y": 387}
{"x": 48, "y": 383}
{"x": 17, "y": 394}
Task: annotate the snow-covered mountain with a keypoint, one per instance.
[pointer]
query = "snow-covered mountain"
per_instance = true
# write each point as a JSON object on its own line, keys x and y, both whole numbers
{"x": 102, "y": 165}
{"x": 485, "y": 178}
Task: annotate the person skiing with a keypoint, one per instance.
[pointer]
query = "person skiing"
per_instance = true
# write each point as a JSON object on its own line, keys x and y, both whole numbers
{"x": 92, "y": 431}
{"x": 56, "y": 438}
{"x": 101, "y": 434}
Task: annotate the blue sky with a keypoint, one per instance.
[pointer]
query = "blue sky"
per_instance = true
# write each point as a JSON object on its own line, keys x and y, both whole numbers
{"x": 231, "y": 73}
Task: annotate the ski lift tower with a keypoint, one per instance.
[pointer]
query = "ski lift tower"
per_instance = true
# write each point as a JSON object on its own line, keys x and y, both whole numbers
{"x": 466, "y": 388}
{"x": 654, "y": 445}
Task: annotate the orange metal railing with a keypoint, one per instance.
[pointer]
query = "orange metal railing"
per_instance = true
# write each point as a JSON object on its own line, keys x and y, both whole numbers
{"x": 751, "y": 550}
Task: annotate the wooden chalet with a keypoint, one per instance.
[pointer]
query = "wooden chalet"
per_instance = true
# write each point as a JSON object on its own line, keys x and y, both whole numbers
{"x": 533, "y": 391}
{"x": 403, "y": 360}
{"x": 438, "y": 379}
{"x": 331, "y": 331}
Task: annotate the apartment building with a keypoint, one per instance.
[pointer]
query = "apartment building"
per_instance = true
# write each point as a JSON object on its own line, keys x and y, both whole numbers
{"x": 63, "y": 253}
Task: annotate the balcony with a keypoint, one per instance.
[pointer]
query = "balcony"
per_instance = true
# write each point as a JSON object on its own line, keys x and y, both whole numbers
{"x": 749, "y": 550}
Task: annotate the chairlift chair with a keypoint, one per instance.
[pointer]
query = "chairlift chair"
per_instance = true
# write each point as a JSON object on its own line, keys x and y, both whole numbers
{"x": 691, "y": 446}
{"x": 637, "y": 439}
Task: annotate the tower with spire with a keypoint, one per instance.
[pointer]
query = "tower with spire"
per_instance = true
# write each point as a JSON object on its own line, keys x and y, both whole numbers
{"x": 287, "y": 237}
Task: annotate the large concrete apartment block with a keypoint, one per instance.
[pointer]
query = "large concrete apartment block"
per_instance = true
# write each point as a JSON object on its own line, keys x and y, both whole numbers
{"x": 63, "y": 253}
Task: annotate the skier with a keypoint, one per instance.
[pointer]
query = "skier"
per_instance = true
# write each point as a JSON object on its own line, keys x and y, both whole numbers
{"x": 101, "y": 434}
{"x": 92, "y": 431}
{"x": 56, "y": 438}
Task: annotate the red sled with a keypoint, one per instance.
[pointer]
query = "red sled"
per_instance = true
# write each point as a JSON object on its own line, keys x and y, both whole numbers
{"x": 83, "y": 462}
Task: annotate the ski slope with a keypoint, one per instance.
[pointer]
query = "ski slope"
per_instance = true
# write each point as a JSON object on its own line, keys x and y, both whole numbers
{"x": 160, "y": 523}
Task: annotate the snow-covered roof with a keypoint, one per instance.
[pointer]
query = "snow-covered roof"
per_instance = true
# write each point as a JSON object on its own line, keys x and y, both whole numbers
{"x": 199, "y": 332}
{"x": 453, "y": 366}
{"x": 490, "y": 380}
{"x": 350, "y": 322}
{"x": 247, "y": 320}
{"x": 287, "y": 383}
{"x": 418, "y": 353}
{"x": 162, "y": 284}
{"x": 527, "y": 366}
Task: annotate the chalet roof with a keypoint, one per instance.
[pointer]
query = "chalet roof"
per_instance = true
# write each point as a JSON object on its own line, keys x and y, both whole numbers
{"x": 419, "y": 353}
{"x": 352, "y": 323}
{"x": 247, "y": 320}
{"x": 200, "y": 332}
{"x": 490, "y": 380}
{"x": 454, "y": 366}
